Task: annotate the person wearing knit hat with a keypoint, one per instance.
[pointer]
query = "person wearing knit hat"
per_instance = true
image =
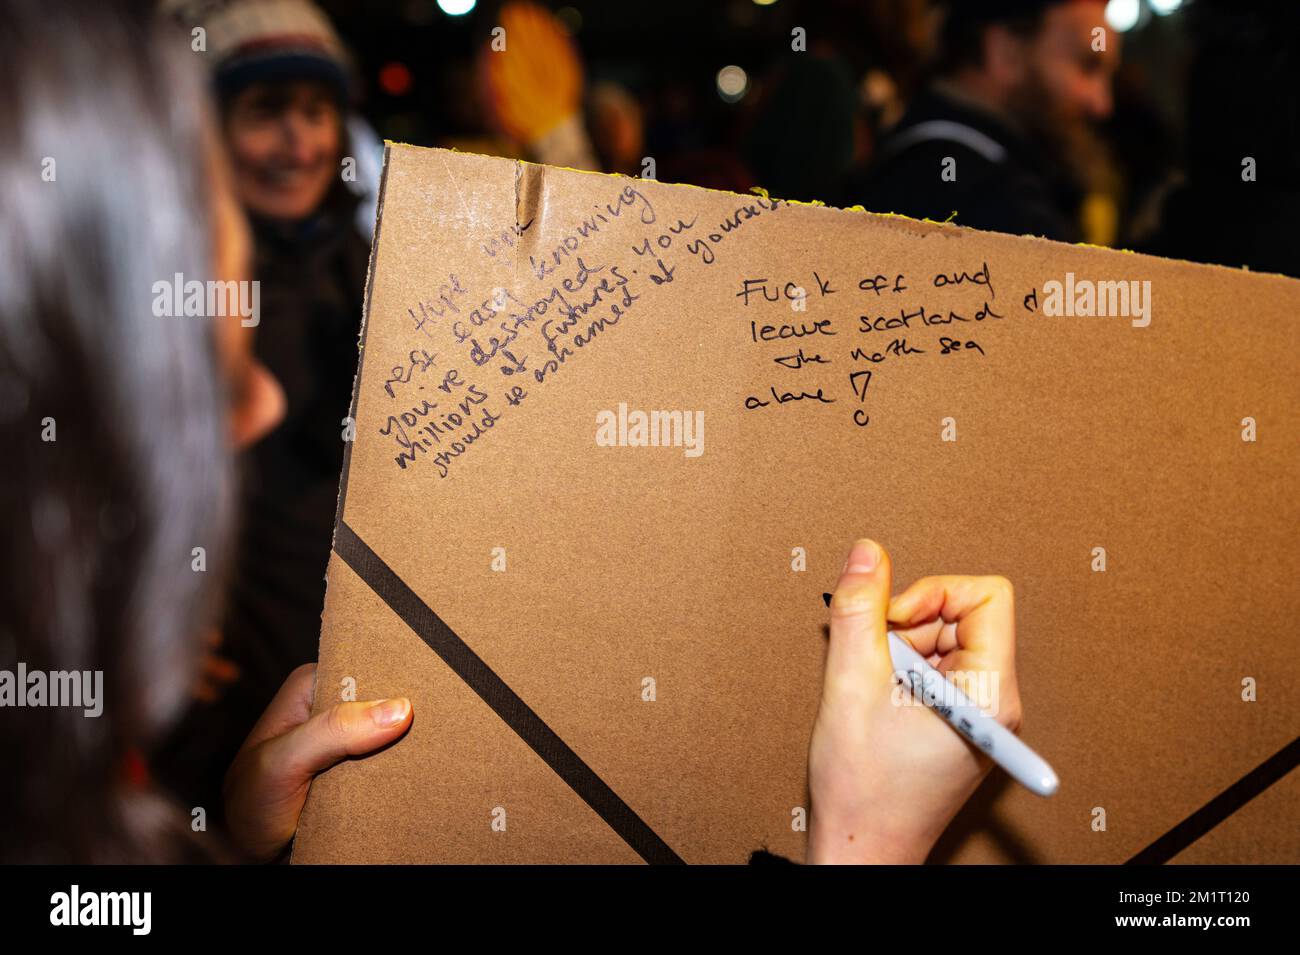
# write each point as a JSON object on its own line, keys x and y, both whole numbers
{"x": 1004, "y": 134}
{"x": 264, "y": 40}
{"x": 281, "y": 81}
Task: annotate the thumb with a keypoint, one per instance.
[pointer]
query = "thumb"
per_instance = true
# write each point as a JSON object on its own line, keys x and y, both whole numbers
{"x": 346, "y": 729}
{"x": 857, "y": 660}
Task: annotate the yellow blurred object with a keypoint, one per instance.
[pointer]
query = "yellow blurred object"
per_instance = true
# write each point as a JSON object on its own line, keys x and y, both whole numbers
{"x": 1099, "y": 218}
{"x": 534, "y": 83}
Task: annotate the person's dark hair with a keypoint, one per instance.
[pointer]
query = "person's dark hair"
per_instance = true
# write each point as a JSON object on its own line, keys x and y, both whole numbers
{"x": 961, "y": 36}
{"x": 102, "y": 194}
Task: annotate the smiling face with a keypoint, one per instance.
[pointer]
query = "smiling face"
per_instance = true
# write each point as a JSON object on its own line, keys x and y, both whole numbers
{"x": 285, "y": 141}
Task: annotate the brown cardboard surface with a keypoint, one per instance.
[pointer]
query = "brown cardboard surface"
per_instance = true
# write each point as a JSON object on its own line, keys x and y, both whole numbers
{"x": 626, "y": 563}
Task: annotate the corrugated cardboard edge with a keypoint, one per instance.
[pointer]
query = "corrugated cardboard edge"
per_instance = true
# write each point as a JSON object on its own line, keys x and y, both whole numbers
{"x": 893, "y": 220}
{"x": 352, "y": 408}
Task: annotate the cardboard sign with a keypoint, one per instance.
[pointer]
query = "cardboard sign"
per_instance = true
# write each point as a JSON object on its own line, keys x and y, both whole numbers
{"x": 614, "y": 437}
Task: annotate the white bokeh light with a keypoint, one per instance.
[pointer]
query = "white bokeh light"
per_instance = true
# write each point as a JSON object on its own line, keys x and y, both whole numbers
{"x": 1122, "y": 15}
{"x": 455, "y": 8}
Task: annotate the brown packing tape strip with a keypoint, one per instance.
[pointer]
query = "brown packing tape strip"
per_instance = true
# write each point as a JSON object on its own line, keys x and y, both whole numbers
{"x": 494, "y": 691}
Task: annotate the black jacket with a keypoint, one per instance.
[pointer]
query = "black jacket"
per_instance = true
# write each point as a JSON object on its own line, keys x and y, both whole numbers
{"x": 1004, "y": 182}
{"x": 312, "y": 277}
{"x": 313, "y": 281}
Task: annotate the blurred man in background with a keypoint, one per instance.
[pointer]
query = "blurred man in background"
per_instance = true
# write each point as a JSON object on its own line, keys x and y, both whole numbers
{"x": 1003, "y": 135}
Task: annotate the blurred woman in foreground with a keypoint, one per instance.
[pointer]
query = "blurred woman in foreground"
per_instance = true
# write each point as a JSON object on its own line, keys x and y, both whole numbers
{"x": 117, "y": 424}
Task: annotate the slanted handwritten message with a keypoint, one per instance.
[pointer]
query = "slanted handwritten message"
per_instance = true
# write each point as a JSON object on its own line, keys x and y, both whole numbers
{"x": 477, "y": 353}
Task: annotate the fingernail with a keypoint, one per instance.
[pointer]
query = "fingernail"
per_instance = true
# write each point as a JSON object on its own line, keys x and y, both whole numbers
{"x": 863, "y": 558}
{"x": 389, "y": 712}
